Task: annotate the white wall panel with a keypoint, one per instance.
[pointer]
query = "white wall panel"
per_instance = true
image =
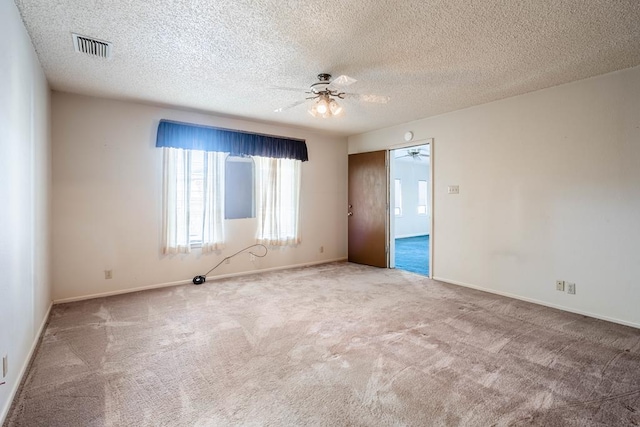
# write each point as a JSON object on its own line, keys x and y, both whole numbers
{"x": 549, "y": 189}
{"x": 25, "y": 295}
{"x": 107, "y": 197}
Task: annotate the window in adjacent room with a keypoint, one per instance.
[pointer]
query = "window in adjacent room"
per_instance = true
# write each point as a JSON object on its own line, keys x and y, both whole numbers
{"x": 422, "y": 197}
{"x": 398, "y": 196}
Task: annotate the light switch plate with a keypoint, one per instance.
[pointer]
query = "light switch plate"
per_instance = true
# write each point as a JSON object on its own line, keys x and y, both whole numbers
{"x": 453, "y": 189}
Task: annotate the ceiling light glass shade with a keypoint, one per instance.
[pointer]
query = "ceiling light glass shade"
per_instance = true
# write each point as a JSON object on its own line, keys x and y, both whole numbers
{"x": 334, "y": 107}
{"x": 322, "y": 106}
{"x": 313, "y": 110}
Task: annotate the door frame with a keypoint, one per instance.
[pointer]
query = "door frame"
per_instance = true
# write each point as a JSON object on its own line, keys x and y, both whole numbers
{"x": 431, "y": 199}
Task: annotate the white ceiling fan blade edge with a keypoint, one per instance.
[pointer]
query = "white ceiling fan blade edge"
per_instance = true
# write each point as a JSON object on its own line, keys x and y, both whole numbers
{"x": 288, "y": 107}
{"x": 342, "y": 81}
{"x": 375, "y": 99}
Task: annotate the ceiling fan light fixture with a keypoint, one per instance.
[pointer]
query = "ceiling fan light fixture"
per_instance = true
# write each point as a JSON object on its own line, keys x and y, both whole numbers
{"x": 325, "y": 106}
{"x": 325, "y": 93}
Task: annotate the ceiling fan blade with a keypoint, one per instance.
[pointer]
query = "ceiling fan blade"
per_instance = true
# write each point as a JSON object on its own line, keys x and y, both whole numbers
{"x": 288, "y": 107}
{"x": 376, "y": 99}
{"x": 342, "y": 81}
{"x": 290, "y": 89}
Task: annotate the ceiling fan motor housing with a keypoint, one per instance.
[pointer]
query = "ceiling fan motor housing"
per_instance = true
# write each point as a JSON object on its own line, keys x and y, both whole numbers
{"x": 321, "y": 85}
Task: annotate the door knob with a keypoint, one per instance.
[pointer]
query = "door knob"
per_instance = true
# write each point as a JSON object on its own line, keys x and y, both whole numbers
{"x": 349, "y": 213}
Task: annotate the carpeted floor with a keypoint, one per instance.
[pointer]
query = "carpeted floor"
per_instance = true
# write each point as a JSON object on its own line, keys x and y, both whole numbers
{"x": 331, "y": 345}
{"x": 412, "y": 254}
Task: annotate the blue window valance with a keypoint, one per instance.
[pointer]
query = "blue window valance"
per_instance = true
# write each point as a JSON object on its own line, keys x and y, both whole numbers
{"x": 237, "y": 143}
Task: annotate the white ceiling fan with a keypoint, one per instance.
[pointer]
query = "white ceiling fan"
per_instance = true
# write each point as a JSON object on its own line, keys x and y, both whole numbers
{"x": 415, "y": 153}
{"x": 325, "y": 93}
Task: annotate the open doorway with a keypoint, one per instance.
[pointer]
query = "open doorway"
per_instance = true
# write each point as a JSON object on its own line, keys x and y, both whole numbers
{"x": 411, "y": 210}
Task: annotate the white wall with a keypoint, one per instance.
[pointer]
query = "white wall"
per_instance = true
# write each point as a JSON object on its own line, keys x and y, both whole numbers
{"x": 549, "y": 189}
{"x": 410, "y": 223}
{"x": 107, "y": 196}
{"x": 24, "y": 193}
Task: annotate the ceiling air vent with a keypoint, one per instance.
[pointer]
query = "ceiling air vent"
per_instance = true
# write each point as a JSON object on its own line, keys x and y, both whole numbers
{"x": 90, "y": 46}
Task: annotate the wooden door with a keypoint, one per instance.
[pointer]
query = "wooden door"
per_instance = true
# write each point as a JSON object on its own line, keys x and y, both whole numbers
{"x": 368, "y": 194}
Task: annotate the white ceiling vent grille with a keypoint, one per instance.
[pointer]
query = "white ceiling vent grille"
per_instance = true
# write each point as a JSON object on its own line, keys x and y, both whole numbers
{"x": 91, "y": 46}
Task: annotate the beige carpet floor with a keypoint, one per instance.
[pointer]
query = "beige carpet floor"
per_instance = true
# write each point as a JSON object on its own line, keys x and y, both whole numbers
{"x": 332, "y": 345}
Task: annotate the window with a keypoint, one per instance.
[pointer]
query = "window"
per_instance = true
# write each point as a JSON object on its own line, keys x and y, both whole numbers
{"x": 277, "y": 201}
{"x": 194, "y": 199}
{"x": 239, "y": 183}
{"x": 194, "y": 185}
{"x": 422, "y": 197}
{"x": 193, "y": 202}
{"x": 398, "y": 196}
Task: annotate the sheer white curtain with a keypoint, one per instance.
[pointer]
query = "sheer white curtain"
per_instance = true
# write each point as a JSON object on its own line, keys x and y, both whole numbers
{"x": 193, "y": 201}
{"x": 213, "y": 202}
{"x": 176, "y": 166}
{"x": 277, "y": 201}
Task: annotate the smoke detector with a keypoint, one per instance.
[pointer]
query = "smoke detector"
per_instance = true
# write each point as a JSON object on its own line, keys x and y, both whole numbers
{"x": 91, "y": 46}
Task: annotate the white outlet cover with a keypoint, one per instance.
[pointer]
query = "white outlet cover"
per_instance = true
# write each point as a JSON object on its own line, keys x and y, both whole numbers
{"x": 453, "y": 189}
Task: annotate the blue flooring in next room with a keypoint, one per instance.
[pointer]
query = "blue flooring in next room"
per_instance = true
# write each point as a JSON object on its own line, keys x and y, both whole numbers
{"x": 412, "y": 254}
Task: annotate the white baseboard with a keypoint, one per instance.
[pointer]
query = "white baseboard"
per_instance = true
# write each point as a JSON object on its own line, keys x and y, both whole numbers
{"x": 187, "y": 281}
{"x": 25, "y": 365}
{"x": 544, "y": 303}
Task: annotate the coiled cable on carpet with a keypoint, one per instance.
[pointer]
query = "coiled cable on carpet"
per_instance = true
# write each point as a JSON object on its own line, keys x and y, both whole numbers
{"x": 199, "y": 280}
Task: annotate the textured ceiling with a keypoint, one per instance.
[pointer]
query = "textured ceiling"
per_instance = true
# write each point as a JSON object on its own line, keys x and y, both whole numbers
{"x": 233, "y": 57}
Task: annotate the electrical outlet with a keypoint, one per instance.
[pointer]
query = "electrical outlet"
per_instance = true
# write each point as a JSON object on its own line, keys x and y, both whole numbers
{"x": 108, "y": 274}
{"x": 5, "y": 365}
{"x": 321, "y": 249}
{"x": 560, "y": 285}
{"x": 571, "y": 288}
{"x": 252, "y": 257}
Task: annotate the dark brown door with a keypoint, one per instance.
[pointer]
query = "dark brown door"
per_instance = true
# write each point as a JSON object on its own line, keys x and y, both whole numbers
{"x": 368, "y": 208}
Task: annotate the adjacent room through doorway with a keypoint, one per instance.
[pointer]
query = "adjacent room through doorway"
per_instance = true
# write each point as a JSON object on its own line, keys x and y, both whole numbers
{"x": 410, "y": 176}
